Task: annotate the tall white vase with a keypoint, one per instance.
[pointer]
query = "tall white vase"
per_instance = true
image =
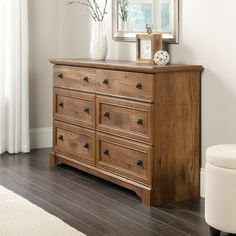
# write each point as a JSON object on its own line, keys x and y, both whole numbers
{"x": 98, "y": 44}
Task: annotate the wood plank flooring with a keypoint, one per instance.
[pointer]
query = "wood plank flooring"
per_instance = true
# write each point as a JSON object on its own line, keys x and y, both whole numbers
{"x": 94, "y": 206}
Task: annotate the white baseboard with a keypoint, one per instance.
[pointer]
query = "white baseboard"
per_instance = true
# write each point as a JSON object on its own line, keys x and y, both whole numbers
{"x": 41, "y": 138}
{"x": 202, "y": 182}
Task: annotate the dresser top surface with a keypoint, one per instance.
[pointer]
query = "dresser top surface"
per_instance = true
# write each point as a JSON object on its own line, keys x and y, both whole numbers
{"x": 125, "y": 65}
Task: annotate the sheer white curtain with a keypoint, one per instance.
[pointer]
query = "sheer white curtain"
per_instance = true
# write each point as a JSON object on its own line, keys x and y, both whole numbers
{"x": 14, "y": 98}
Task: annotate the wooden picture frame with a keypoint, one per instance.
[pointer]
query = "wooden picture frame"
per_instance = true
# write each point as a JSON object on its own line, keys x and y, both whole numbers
{"x": 146, "y": 46}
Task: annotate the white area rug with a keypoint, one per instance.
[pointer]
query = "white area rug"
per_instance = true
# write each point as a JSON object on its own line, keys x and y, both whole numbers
{"x": 19, "y": 217}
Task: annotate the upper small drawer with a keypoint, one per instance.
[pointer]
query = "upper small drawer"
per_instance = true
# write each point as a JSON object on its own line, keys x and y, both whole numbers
{"x": 138, "y": 86}
{"x": 77, "y": 78}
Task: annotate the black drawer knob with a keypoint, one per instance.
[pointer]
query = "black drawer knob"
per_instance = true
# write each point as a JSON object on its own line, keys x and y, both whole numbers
{"x": 105, "y": 81}
{"x": 106, "y": 152}
{"x": 86, "y": 79}
{"x": 86, "y": 145}
{"x": 60, "y": 76}
{"x": 86, "y": 110}
{"x": 61, "y": 137}
{"x": 139, "y": 86}
{"x": 139, "y": 162}
{"x": 61, "y": 104}
{"x": 107, "y": 114}
{"x": 140, "y": 122}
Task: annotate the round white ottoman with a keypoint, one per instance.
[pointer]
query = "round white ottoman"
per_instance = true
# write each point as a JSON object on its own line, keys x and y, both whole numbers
{"x": 220, "y": 192}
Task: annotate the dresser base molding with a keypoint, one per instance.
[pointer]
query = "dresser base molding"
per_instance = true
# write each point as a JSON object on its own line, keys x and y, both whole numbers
{"x": 144, "y": 192}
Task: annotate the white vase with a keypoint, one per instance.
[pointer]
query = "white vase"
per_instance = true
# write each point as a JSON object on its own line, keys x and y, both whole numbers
{"x": 98, "y": 44}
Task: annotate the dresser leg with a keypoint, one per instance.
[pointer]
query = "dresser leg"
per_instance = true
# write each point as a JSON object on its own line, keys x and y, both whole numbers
{"x": 53, "y": 160}
{"x": 146, "y": 197}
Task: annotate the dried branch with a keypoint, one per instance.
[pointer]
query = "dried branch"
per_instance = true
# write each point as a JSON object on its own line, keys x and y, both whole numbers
{"x": 104, "y": 10}
{"x": 97, "y": 9}
{"x": 91, "y": 14}
{"x": 92, "y": 8}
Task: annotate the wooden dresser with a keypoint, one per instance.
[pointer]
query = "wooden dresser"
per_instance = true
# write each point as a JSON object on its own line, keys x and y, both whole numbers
{"x": 135, "y": 125}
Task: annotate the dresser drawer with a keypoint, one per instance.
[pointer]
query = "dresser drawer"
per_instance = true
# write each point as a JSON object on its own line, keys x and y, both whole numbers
{"x": 126, "y": 158}
{"x": 138, "y": 86}
{"x": 76, "y": 78}
{"x": 74, "y": 107}
{"x": 76, "y": 142}
{"x": 125, "y": 118}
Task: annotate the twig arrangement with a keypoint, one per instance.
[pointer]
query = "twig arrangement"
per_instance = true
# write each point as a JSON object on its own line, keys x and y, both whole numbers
{"x": 92, "y": 8}
{"x": 123, "y": 4}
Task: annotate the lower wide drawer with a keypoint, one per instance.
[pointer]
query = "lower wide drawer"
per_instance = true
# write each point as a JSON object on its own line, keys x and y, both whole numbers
{"x": 126, "y": 158}
{"x": 74, "y": 141}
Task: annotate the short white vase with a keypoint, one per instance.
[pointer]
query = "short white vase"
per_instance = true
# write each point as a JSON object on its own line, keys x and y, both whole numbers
{"x": 98, "y": 44}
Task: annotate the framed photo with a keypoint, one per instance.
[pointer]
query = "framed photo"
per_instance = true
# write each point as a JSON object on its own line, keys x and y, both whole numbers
{"x": 146, "y": 46}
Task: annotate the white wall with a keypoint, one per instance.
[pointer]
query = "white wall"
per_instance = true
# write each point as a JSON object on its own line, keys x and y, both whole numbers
{"x": 43, "y": 18}
{"x": 74, "y": 30}
{"x": 55, "y": 31}
{"x": 206, "y": 37}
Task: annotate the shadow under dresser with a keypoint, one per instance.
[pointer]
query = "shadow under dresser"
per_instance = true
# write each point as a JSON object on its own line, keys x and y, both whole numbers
{"x": 135, "y": 125}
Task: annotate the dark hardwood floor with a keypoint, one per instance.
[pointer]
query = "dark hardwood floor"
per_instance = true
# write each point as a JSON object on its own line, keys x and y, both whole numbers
{"x": 94, "y": 206}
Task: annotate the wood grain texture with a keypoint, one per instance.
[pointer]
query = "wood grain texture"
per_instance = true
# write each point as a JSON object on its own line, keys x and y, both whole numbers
{"x": 125, "y": 65}
{"x": 74, "y": 141}
{"x": 177, "y": 136}
{"x": 75, "y": 78}
{"x": 74, "y": 107}
{"x": 125, "y": 158}
{"x": 138, "y": 86}
{"x": 125, "y": 118}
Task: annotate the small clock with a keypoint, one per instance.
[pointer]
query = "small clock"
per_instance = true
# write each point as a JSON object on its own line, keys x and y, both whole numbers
{"x": 146, "y": 46}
